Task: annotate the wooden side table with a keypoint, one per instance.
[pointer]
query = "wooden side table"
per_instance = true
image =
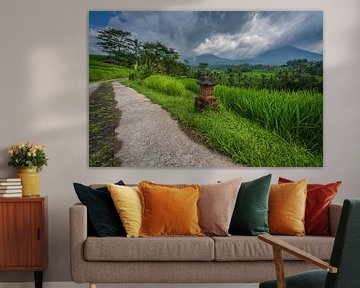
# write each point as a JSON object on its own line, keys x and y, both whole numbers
{"x": 23, "y": 235}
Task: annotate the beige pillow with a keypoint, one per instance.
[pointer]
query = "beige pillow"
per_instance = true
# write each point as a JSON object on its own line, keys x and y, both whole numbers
{"x": 216, "y": 206}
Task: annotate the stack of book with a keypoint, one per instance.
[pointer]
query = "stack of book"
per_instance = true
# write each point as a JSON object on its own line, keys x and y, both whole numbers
{"x": 10, "y": 187}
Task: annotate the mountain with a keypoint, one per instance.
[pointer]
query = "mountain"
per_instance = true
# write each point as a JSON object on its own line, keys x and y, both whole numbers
{"x": 281, "y": 55}
{"x": 277, "y": 56}
{"x": 211, "y": 59}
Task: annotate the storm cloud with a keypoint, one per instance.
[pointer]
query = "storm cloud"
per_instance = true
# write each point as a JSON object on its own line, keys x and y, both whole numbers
{"x": 228, "y": 34}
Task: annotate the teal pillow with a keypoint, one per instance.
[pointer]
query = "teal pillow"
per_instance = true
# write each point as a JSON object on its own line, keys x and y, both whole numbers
{"x": 250, "y": 216}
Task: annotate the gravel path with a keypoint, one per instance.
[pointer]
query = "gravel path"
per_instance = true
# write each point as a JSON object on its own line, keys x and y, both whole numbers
{"x": 93, "y": 86}
{"x": 151, "y": 138}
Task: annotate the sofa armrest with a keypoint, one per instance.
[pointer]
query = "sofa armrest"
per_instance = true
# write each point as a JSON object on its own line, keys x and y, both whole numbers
{"x": 334, "y": 216}
{"x": 78, "y": 235}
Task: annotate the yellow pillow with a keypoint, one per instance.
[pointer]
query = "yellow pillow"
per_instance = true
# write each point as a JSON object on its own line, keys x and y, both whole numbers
{"x": 127, "y": 201}
{"x": 287, "y": 204}
{"x": 169, "y": 210}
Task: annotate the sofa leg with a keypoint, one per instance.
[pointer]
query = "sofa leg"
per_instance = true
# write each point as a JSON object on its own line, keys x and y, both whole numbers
{"x": 92, "y": 285}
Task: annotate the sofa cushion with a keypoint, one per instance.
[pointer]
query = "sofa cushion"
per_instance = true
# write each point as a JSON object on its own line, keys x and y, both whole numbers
{"x": 149, "y": 249}
{"x": 244, "y": 248}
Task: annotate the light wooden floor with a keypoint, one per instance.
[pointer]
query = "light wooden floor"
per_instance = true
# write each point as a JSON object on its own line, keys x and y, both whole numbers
{"x": 74, "y": 285}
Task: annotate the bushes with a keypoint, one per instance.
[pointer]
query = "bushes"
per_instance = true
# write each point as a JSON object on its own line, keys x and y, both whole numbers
{"x": 165, "y": 84}
{"x": 190, "y": 84}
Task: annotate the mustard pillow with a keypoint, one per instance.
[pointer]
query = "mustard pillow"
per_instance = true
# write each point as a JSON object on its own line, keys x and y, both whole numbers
{"x": 127, "y": 201}
{"x": 287, "y": 204}
{"x": 169, "y": 210}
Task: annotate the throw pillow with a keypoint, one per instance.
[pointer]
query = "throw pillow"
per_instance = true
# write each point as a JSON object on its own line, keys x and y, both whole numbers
{"x": 250, "y": 215}
{"x": 169, "y": 210}
{"x": 287, "y": 204}
{"x": 127, "y": 201}
{"x": 216, "y": 206}
{"x": 102, "y": 215}
{"x": 319, "y": 197}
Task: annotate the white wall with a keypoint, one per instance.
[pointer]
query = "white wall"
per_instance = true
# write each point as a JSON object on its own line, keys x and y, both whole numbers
{"x": 43, "y": 88}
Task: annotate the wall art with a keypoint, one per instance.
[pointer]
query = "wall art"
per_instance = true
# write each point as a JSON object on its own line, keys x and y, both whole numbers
{"x": 205, "y": 89}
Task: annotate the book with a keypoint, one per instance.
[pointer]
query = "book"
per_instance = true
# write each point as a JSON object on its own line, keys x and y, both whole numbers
{"x": 2, "y": 187}
{"x": 4, "y": 191}
{"x": 10, "y": 180}
{"x": 4, "y": 195}
{"x": 10, "y": 183}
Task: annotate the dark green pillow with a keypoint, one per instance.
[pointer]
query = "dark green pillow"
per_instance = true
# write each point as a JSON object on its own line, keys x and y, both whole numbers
{"x": 250, "y": 216}
{"x": 103, "y": 218}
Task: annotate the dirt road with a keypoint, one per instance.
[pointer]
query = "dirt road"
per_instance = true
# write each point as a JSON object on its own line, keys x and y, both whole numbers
{"x": 150, "y": 137}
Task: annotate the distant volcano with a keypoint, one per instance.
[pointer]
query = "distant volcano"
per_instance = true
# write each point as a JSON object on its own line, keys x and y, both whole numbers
{"x": 277, "y": 56}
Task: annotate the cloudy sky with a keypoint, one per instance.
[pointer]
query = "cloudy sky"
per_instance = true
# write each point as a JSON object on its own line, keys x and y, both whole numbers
{"x": 229, "y": 34}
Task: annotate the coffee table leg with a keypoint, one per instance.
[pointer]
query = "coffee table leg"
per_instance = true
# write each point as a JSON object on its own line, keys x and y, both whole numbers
{"x": 38, "y": 279}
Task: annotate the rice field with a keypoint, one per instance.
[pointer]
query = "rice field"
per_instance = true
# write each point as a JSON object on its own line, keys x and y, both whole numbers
{"x": 100, "y": 71}
{"x": 295, "y": 116}
{"x": 165, "y": 84}
{"x": 257, "y": 128}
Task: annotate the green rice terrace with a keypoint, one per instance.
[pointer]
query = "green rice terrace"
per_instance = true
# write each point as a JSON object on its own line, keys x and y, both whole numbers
{"x": 268, "y": 140}
{"x": 100, "y": 70}
{"x": 265, "y": 117}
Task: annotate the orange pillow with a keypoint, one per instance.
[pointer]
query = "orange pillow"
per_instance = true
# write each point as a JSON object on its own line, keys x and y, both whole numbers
{"x": 169, "y": 210}
{"x": 287, "y": 204}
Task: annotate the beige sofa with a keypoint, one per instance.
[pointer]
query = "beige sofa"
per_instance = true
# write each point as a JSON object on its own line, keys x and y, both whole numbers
{"x": 234, "y": 259}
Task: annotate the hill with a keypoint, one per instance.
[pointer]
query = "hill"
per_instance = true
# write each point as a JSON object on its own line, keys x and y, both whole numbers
{"x": 211, "y": 59}
{"x": 281, "y": 55}
{"x": 277, "y": 56}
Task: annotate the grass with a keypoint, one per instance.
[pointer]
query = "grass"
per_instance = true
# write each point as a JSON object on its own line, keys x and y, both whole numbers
{"x": 104, "y": 117}
{"x": 244, "y": 141}
{"x": 165, "y": 84}
{"x": 190, "y": 84}
{"x": 98, "y": 70}
{"x": 295, "y": 116}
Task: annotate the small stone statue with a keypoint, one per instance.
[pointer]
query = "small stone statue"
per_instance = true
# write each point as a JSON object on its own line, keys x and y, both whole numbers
{"x": 206, "y": 99}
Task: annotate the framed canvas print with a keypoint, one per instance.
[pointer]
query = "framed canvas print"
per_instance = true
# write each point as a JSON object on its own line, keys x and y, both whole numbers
{"x": 205, "y": 89}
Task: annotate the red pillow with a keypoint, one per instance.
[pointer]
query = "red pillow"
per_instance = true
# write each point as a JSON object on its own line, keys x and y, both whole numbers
{"x": 319, "y": 197}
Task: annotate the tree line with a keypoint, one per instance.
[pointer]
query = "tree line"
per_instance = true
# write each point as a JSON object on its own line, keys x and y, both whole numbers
{"x": 149, "y": 58}
{"x": 296, "y": 75}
